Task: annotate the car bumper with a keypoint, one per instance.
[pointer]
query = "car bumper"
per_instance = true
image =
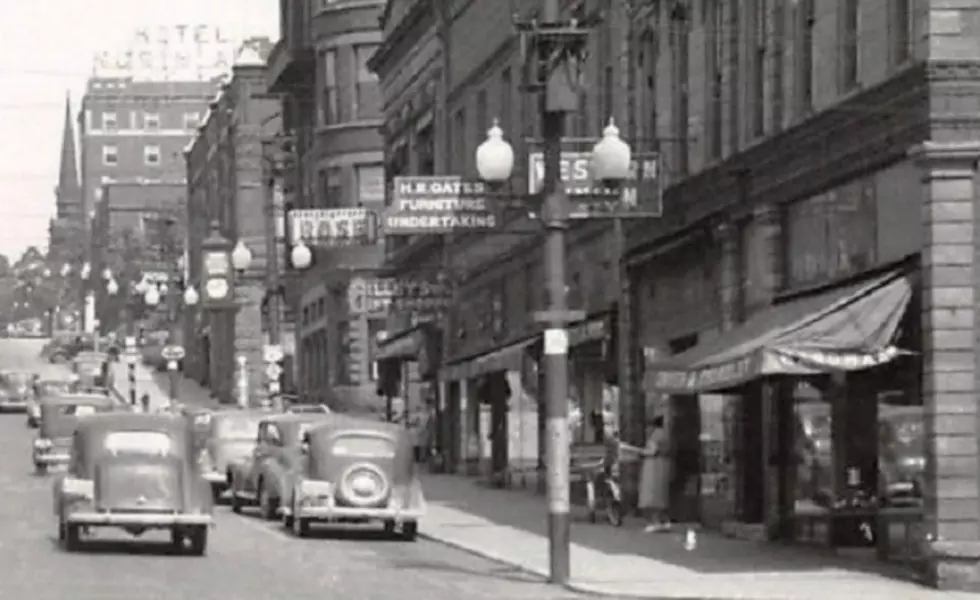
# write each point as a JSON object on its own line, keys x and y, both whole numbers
{"x": 216, "y": 478}
{"x": 52, "y": 458}
{"x": 325, "y": 513}
{"x": 144, "y": 519}
{"x": 13, "y": 405}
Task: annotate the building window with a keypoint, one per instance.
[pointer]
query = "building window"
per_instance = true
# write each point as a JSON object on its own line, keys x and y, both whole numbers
{"x": 329, "y": 107}
{"x": 714, "y": 59}
{"x": 343, "y": 357}
{"x": 367, "y": 100}
{"x": 109, "y": 121}
{"x": 482, "y": 113}
{"x": 151, "y": 121}
{"x": 375, "y": 327}
{"x": 848, "y": 47}
{"x": 778, "y": 66}
{"x": 192, "y": 120}
{"x": 370, "y": 185}
{"x": 680, "y": 40}
{"x": 151, "y": 156}
{"x": 110, "y": 156}
{"x": 459, "y": 152}
{"x": 758, "y": 36}
{"x": 804, "y": 57}
{"x": 507, "y": 103}
{"x": 901, "y": 31}
{"x": 734, "y": 79}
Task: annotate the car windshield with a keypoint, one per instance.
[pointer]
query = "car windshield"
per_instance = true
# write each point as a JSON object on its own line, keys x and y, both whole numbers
{"x": 238, "y": 427}
{"x": 54, "y": 387}
{"x": 18, "y": 378}
{"x": 153, "y": 443}
{"x": 77, "y": 410}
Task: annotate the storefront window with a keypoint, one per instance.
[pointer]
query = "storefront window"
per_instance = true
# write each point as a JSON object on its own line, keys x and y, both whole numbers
{"x": 814, "y": 482}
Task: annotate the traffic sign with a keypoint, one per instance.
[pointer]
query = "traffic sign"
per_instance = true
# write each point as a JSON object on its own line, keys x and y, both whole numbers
{"x": 172, "y": 352}
{"x": 274, "y": 387}
{"x": 272, "y": 353}
{"x": 273, "y": 371}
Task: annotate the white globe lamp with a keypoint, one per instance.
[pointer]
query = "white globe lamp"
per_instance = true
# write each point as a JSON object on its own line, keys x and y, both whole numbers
{"x": 107, "y": 273}
{"x": 495, "y": 156}
{"x": 241, "y": 256}
{"x": 301, "y": 256}
{"x": 86, "y": 270}
{"x": 190, "y": 296}
{"x": 46, "y": 272}
{"x": 112, "y": 287}
{"x": 611, "y": 156}
{"x": 152, "y": 296}
{"x": 65, "y": 270}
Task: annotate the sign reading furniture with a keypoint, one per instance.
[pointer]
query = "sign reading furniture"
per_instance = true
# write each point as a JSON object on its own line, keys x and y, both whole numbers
{"x": 438, "y": 205}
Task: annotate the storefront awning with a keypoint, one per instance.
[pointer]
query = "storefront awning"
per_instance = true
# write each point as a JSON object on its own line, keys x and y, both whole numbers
{"x": 405, "y": 345}
{"x": 507, "y": 358}
{"x": 846, "y": 329}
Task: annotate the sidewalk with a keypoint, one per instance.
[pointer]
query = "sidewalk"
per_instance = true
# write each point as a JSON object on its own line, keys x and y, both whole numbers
{"x": 510, "y": 527}
{"x": 157, "y": 386}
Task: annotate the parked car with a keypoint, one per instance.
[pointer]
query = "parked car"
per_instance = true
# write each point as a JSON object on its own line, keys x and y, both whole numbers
{"x": 93, "y": 369}
{"x": 65, "y": 346}
{"x": 355, "y": 470}
{"x": 137, "y": 472}
{"x": 229, "y": 436}
{"x": 262, "y": 478}
{"x": 308, "y": 408}
{"x": 151, "y": 350}
{"x": 16, "y": 387}
{"x": 59, "y": 416}
{"x": 42, "y": 389}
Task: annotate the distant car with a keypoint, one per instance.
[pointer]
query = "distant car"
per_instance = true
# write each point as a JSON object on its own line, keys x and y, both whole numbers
{"x": 15, "y": 390}
{"x": 355, "y": 470}
{"x": 309, "y": 408}
{"x": 134, "y": 471}
{"x": 229, "y": 437}
{"x": 93, "y": 369}
{"x": 262, "y": 478}
{"x": 42, "y": 389}
{"x": 59, "y": 416}
{"x": 65, "y": 346}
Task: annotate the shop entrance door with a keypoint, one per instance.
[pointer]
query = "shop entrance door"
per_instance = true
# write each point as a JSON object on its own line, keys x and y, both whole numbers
{"x": 750, "y": 491}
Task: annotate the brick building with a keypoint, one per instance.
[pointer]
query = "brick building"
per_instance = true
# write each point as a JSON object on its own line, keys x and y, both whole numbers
{"x": 331, "y": 108}
{"x": 227, "y": 182}
{"x": 819, "y": 167}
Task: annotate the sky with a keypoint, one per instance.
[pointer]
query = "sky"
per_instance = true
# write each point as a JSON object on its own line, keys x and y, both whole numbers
{"x": 46, "y": 50}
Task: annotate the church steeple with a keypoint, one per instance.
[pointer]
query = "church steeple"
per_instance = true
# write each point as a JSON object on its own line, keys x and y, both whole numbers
{"x": 69, "y": 188}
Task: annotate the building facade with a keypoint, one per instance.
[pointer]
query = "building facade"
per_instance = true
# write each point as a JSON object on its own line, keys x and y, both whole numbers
{"x": 228, "y": 183}
{"x": 810, "y": 281}
{"x": 135, "y": 131}
{"x": 331, "y": 110}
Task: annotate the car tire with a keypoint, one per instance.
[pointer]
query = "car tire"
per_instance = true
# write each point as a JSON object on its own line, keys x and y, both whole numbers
{"x": 40, "y": 469}
{"x": 268, "y": 506}
{"x": 390, "y": 527}
{"x": 58, "y": 359}
{"x": 73, "y": 537}
{"x": 410, "y": 531}
{"x": 216, "y": 492}
{"x": 300, "y": 527}
{"x": 198, "y": 537}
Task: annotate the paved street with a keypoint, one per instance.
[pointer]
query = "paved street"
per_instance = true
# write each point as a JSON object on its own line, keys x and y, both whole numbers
{"x": 247, "y": 559}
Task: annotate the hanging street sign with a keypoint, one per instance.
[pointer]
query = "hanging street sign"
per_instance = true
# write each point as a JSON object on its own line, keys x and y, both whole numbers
{"x": 439, "y": 204}
{"x": 377, "y": 295}
{"x": 639, "y": 197}
{"x": 172, "y": 352}
{"x": 333, "y": 227}
{"x": 273, "y": 371}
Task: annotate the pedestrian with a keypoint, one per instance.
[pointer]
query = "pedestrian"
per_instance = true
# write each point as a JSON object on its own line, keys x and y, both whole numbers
{"x": 654, "y": 493}
{"x": 145, "y": 401}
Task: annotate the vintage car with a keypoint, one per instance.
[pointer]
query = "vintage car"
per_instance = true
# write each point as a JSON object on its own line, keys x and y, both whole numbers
{"x": 92, "y": 369}
{"x": 262, "y": 478}
{"x": 42, "y": 389}
{"x": 59, "y": 417}
{"x": 16, "y": 388}
{"x": 355, "y": 470}
{"x": 308, "y": 408}
{"x": 229, "y": 437}
{"x": 134, "y": 471}
{"x": 65, "y": 345}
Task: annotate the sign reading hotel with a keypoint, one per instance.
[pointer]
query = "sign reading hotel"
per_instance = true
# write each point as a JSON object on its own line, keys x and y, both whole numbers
{"x": 333, "y": 227}
{"x": 377, "y": 295}
{"x": 169, "y": 53}
{"x": 438, "y": 205}
{"x": 639, "y": 197}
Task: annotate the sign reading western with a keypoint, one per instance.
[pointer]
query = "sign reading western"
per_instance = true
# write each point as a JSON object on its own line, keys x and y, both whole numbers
{"x": 377, "y": 295}
{"x": 333, "y": 227}
{"x": 639, "y": 197}
{"x": 438, "y": 205}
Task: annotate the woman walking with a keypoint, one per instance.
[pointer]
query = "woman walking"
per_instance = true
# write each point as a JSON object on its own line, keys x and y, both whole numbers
{"x": 653, "y": 478}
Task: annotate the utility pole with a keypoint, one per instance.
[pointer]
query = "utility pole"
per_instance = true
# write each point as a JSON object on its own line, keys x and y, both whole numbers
{"x": 173, "y": 303}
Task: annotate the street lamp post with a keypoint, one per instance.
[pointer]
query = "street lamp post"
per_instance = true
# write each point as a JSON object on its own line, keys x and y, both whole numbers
{"x": 611, "y": 160}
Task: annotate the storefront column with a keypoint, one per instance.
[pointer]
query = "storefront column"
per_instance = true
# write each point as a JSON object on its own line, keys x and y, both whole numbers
{"x": 950, "y": 369}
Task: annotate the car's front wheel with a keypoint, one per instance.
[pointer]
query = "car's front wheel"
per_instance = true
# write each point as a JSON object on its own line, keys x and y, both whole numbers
{"x": 40, "y": 468}
{"x": 198, "y": 538}
{"x": 410, "y": 531}
{"x": 72, "y": 537}
{"x": 268, "y": 505}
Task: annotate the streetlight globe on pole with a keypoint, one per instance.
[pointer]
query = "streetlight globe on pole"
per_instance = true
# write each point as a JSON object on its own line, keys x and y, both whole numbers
{"x": 190, "y": 296}
{"x": 86, "y": 270}
{"x": 46, "y": 272}
{"x": 152, "y": 296}
{"x": 241, "y": 256}
{"x": 301, "y": 256}
{"x": 495, "y": 156}
{"x": 107, "y": 273}
{"x": 611, "y": 157}
{"x": 112, "y": 287}
{"x": 65, "y": 270}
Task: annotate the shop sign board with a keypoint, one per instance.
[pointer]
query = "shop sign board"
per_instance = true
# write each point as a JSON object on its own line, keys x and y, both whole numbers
{"x": 639, "y": 197}
{"x": 378, "y": 295}
{"x": 425, "y": 205}
{"x": 333, "y": 227}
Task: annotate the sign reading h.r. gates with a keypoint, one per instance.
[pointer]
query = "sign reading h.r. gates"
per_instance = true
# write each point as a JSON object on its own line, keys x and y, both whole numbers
{"x": 438, "y": 204}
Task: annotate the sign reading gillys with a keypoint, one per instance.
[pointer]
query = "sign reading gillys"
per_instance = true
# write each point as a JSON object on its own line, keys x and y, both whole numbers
{"x": 379, "y": 294}
{"x": 169, "y": 53}
{"x": 438, "y": 205}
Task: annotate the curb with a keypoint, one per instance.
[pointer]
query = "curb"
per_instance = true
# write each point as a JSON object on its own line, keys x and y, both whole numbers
{"x": 574, "y": 587}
